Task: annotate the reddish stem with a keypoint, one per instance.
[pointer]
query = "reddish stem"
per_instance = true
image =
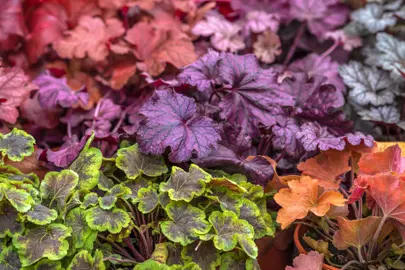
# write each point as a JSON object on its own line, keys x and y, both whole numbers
{"x": 293, "y": 47}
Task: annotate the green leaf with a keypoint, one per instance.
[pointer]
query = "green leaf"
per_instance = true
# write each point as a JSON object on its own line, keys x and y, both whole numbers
{"x": 107, "y": 202}
{"x": 76, "y": 219}
{"x": 225, "y": 182}
{"x": 9, "y": 259}
{"x": 230, "y": 231}
{"x": 90, "y": 199}
{"x": 84, "y": 261}
{"x": 112, "y": 220}
{"x": 185, "y": 185}
{"x": 164, "y": 199}
{"x": 41, "y": 215}
{"x": 9, "y": 222}
{"x": 43, "y": 242}
{"x": 160, "y": 253}
{"x": 19, "y": 198}
{"x": 186, "y": 225}
{"x": 235, "y": 260}
{"x": 134, "y": 163}
{"x": 250, "y": 212}
{"x": 16, "y": 145}
{"x": 46, "y": 264}
{"x": 135, "y": 185}
{"x": 10, "y": 174}
{"x": 227, "y": 200}
{"x": 104, "y": 183}
{"x": 148, "y": 199}
{"x": 117, "y": 191}
{"x": 56, "y": 187}
{"x": 87, "y": 166}
{"x": 150, "y": 265}
{"x": 204, "y": 254}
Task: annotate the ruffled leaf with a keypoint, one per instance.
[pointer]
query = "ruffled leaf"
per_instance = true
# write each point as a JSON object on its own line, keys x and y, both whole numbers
{"x": 186, "y": 223}
{"x": 90, "y": 199}
{"x": 57, "y": 186}
{"x": 76, "y": 219}
{"x": 20, "y": 199}
{"x": 16, "y": 145}
{"x": 41, "y": 215}
{"x": 112, "y": 220}
{"x": 148, "y": 199}
{"x": 311, "y": 261}
{"x": 185, "y": 185}
{"x": 43, "y": 242}
{"x": 134, "y": 163}
{"x": 135, "y": 185}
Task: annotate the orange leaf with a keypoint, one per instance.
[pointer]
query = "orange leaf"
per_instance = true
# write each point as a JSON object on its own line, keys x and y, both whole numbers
{"x": 326, "y": 167}
{"x": 355, "y": 233}
{"x": 382, "y": 162}
{"x": 304, "y": 196}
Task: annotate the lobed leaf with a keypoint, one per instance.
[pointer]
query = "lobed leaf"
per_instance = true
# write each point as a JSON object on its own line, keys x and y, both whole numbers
{"x": 9, "y": 259}
{"x": 41, "y": 215}
{"x": 203, "y": 254}
{"x": 76, "y": 219}
{"x": 113, "y": 220}
{"x": 16, "y": 145}
{"x": 10, "y": 224}
{"x": 148, "y": 199}
{"x": 21, "y": 200}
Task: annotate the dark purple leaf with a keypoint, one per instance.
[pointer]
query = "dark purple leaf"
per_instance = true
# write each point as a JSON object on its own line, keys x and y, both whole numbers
{"x": 285, "y": 138}
{"x": 250, "y": 93}
{"x": 67, "y": 153}
{"x": 171, "y": 121}
{"x": 313, "y": 137}
{"x": 204, "y": 73}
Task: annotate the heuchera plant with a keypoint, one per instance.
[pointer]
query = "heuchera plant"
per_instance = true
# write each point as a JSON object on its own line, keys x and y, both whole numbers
{"x": 351, "y": 202}
{"x": 375, "y": 77}
{"x": 128, "y": 211}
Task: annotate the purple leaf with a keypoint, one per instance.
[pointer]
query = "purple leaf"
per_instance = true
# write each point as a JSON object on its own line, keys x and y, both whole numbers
{"x": 108, "y": 110}
{"x": 250, "y": 92}
{"x": 285, "y": 139}
{"x": 314, "y": 64}
{"x": 203, "y": 73}
{"x": 171, "y": 121}
{"x": 313, "y": 137}
{"x": 67, "y": 153}
{"x": 358, "y": 138}
{"x": 55, "y": 91}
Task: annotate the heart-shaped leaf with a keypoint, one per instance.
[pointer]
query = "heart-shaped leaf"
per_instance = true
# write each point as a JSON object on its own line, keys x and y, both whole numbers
{"x": 16, "y": 145}
{"x": 43, "y": 242}
{"x": 76, "y": 219}
{"x": 83, "y": 261}
{"x": 186, "y": 224}
{"x": 185, "y": 185}
{"x": 20, "y": 199}
{"x": 41, "y": 215}
{"x": 203, "y": 254}
{"x": 229, "y": 231}
{"x": 355, "y": 233}
{"x": 56, "y": 187}
{"x": 112, "y": 220}
{"x": 9, "y": 259}
{"x": 148, "y": 199}
{"x": 87, "y": 166}
{"x": 9, "y": 223}
{"x": 134, "y": 163}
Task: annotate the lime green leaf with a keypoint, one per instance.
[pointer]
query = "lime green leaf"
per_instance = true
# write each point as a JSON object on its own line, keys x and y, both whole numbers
{"x": 9, "y": 223}
{"x": 250, "y": 212}
{"x": 46, "y": 264}
{"x": 185, "y": 185}
{"x": 104, "y": 183}
{"x": 227, "y": 200}
{"x": 235, "y": 260}
{"x": 84, "y": 261}
{"x": 191, "y": 266}
{"x": 225, "y": 182}
{"x": 107, "y": 202}
{"x": 230, "y": 231}
{"x": 160, "y": 253}
{"x": 43, "y": 242}
{"x": 204, "y": 254}
{"x": 112, "y": 220}
{"x": 90, "y": 199}
{"x": 134, "y": 163}
{"x": 186, "y": 224}
{"x": 87, "y": 166}
{"x": 16, "y": 145}
{"x": 10, "y": 174}
{"x": 41, "y": 215}
{"x": 57, "y": 186}
{"x": 135, "y": 185}
{"x": 148, "y": 199}
{"x": 9, "y": 259}
{"x": 76, "y": 219}
{"x": 21, "y": 200}
{"x": 252, "y": 264}
{"x": 124, "y": 233}
{"x": 150, "y": 265}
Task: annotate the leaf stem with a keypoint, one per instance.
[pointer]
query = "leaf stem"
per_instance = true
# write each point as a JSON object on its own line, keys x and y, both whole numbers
{"x": 346, "y": 266}
{"x": 136, "y": 254}
{"x": 330, "y": 50}
{"x": 293, "y": 47}
{"x": 120, "y": 249}
{"x": 376, "y": 235}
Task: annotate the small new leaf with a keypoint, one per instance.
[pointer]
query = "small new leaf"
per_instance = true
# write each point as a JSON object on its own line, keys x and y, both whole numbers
{"x": 148, "y": 199}
{"x": 16, "y": 145}
{"x": 112, "y": 220}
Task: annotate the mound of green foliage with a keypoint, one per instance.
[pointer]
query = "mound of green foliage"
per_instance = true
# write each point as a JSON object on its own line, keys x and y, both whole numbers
{"x": 126, "y": 212}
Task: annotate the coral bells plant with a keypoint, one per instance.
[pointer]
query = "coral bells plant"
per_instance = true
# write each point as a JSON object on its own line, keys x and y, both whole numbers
{"x": 351, "y": 204}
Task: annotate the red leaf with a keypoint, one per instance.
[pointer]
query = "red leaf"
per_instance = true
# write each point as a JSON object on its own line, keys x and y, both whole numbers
{"x": 382, "y": 162}
{"x": 311, "y": 261}
{"x": 12, "y": 25}
{"x": 46, "y": 25}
